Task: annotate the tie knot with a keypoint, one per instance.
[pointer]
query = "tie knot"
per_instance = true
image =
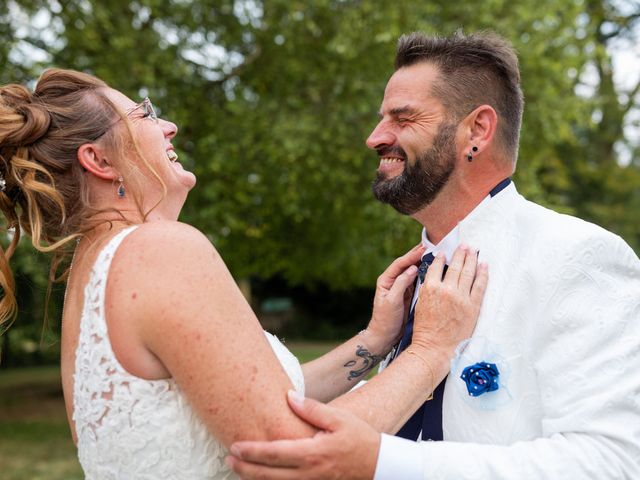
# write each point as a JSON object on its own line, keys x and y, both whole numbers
{"x": 426, "y": 261}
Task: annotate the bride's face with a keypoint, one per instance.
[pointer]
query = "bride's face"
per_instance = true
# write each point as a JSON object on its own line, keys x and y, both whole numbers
{"x": 153, "y": 137}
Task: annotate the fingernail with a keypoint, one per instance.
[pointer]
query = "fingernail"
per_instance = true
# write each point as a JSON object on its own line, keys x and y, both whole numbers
{"x": 235, "y": 451}
{"x": 464, "y": 246}
{"x": 296, "y": 397}
{"x": 412, "y": 270}
{"x": 440, "y": 255}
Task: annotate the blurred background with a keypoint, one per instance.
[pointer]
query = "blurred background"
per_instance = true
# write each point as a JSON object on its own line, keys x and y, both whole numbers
{"x": 274, "y": 100}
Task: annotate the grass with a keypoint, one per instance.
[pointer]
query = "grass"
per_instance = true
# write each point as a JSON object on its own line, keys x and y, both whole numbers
{"x": 35, "y": 442}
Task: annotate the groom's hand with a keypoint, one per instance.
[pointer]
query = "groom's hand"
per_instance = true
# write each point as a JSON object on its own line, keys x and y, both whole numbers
{"x": 345, "y": 447}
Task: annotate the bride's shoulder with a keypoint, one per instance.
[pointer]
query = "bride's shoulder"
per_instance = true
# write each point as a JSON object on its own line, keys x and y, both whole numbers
{"x": 164, "y": 249}
{"x": 167, "y": 239}
{"x": 167, "y": 231}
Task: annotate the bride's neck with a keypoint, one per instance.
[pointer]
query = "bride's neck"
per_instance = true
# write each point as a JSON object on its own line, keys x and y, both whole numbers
{"x": 106, "y": 222}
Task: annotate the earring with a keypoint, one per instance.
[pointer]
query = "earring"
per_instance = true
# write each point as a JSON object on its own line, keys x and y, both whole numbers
{"x": 121, "y": 190}
{"x": 470, "y": 154}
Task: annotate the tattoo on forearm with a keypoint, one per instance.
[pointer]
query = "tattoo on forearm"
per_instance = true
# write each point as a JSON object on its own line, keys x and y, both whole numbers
{"x": 368, "y": 362}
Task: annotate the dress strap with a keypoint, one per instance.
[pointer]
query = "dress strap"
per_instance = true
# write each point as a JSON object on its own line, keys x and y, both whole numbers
{"x": 103, "y": 262}
{"x": 97, "y": 285}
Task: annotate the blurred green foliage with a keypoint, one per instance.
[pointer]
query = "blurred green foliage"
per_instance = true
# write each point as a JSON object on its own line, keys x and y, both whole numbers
{"x": 275, "y": 98}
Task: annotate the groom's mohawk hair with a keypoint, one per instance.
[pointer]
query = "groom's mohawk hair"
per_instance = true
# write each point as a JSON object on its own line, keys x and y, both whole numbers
{"x": 477, "y": 69}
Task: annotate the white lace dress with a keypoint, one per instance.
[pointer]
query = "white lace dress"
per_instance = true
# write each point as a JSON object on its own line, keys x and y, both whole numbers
{"x": 131, "y": 428}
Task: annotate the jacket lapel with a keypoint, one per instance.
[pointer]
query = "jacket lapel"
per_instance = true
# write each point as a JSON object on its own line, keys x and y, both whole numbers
{"x": 490, "y": 229}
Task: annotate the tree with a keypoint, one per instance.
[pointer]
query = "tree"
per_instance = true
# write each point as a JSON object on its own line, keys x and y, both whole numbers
{"x": 275, "y": 98}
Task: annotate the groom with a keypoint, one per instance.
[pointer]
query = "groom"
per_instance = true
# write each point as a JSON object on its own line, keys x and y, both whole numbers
{"x": 549, "y": 384}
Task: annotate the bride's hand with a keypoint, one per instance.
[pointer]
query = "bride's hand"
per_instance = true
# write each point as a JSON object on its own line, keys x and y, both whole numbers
{"x": 394, "y": 290}
{"x": 448, "y": 308}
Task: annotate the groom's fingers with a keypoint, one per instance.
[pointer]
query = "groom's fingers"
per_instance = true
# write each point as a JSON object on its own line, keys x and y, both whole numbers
{"x": 252, "y": 471}
{"x": 346, "y": 447}
{"x": 315, "y": 413}
{"x": 290, "y": 453}
{"x": 278, "y": 453}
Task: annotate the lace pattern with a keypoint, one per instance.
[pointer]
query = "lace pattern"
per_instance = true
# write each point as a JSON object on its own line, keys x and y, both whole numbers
{"x": 132, "y": 428}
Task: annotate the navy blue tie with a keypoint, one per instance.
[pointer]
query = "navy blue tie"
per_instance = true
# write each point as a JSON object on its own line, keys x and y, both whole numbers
{"x": 428, "y": 417}
{"x": 426, "y": 261}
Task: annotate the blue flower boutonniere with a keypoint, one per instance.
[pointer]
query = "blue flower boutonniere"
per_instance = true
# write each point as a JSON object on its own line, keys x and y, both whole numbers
{"x": 481, "y": 377}
{"x": 481, "y": 374}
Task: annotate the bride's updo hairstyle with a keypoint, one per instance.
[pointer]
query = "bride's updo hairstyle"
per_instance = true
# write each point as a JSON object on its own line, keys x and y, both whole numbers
{"x": 43, "y": 187}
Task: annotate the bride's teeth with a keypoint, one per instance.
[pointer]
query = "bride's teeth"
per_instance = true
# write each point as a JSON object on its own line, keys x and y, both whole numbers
{"x": 173, "y": 156}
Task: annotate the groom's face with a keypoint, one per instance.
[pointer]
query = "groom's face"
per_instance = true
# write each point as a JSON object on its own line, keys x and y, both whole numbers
{"x": 414, "y": 140}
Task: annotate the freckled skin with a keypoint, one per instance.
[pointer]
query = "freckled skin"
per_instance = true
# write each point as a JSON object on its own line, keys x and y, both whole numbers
{"x": 202, "y": 344}
{"x": 171, "y": 306}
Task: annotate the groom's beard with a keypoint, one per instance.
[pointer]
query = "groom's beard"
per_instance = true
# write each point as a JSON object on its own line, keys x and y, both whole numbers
{"x": 419, "y": 184}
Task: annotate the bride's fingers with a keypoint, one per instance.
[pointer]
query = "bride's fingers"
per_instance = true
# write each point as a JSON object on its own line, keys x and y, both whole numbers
{"x": 402, "y": 283}
{"x": 399, "y": 265}
{"x": 419, "y": 246}
{"x": 434, "y": 273}
{"x": 468, "y": 272}
{"x": 480, "y": 283}
{"x": 452, "y": 276}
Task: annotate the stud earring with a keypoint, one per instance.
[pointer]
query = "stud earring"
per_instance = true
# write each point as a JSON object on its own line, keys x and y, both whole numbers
{"x": 470, "y": 154}
{"x": 121, "y": 192}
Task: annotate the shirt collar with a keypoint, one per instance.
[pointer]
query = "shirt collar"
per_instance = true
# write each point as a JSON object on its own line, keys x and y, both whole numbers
{"x": 451, "y": 240}
{"x": 447, "y": 245}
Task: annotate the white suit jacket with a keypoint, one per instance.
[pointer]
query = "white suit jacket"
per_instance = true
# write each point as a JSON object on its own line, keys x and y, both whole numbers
{"x": 563, "y": 306}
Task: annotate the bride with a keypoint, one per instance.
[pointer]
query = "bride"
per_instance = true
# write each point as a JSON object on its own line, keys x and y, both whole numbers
{"x": 164, "y": 364}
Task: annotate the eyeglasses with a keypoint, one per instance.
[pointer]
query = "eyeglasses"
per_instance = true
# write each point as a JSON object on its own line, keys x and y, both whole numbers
{"x": 147, "y": 110}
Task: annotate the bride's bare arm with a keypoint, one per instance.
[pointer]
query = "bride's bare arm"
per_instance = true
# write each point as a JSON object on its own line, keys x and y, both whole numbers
{"x": 446, "y": 313}
{"x": 342, "y": 368}
{"x": 188, "y": 314}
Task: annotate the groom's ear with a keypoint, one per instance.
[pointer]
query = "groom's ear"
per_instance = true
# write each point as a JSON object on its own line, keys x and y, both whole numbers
{"x": 93, "y": 159}
{"x": 482, "y": 125}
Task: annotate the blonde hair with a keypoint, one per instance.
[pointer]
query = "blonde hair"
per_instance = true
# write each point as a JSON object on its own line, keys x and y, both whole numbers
{"x": 45, "y": 192}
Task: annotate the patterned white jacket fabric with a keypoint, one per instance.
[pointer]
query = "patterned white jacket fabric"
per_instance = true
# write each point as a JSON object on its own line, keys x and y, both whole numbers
{"x": 563, "y": 308}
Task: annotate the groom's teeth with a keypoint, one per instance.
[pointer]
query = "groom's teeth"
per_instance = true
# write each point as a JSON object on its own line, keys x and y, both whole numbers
{"x": 390, "y": 160}
{"x": 173, "y": 156}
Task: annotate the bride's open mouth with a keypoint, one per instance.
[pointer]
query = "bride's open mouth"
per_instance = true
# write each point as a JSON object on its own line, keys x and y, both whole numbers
{"x": 172, "y": 156}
